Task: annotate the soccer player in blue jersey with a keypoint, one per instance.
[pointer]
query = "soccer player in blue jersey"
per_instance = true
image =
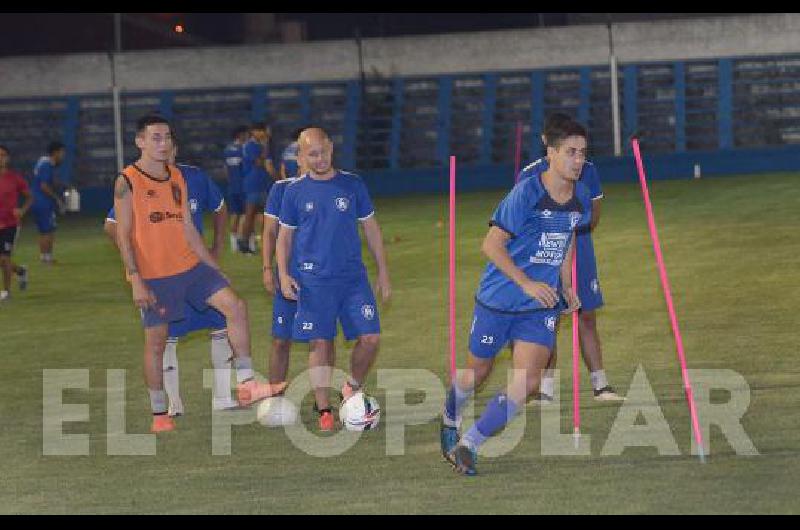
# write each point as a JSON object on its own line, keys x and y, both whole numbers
{"x": 283, "y": 309}
{"x": 204, "y": 196}
{"x": 319, "y": 222}
{"x": 233, "y": 154}
{"x": 46, "y": 200}
{"x": 523, "y": 291}
{"x": 588, "y": 286}
{"x": 258, "y": 172}
{"x": 289, "y": 167}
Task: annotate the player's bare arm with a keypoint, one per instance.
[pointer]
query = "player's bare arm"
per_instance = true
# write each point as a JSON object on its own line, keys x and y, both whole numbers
{"x": 220, "y": 231}
{"x": 269, "y": 240}
{"x": 123, "y": 208}
{"x": 566, "y": 279}
{"x": 595, "y": 213}
{"x": 110, "y": 229}
{"x": 22, "y": 210}
{"x": 50, "y": 192}
{"x": 372, "y": 232}
{"x": 289, "y": 285}
{"x": 494, "y": 247}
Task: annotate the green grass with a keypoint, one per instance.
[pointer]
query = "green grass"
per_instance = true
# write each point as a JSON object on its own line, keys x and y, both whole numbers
{"x": 731, "y": 247}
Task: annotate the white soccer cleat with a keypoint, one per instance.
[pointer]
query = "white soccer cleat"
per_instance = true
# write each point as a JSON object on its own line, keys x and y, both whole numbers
{"x": 175, "y": 409}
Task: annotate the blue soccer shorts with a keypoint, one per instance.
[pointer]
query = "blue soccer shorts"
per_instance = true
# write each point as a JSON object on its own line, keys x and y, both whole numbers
{"x": 195, "y": 320}
{"x": 172, "y": 293}
{"x": 319, "y": 307}
{"x": 45, "y": 217}
{"x": 492, "y": 330}
{"x": 589, "y": 291}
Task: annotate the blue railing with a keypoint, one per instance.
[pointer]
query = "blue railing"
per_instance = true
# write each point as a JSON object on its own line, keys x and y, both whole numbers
{"x": 680, "y": 108}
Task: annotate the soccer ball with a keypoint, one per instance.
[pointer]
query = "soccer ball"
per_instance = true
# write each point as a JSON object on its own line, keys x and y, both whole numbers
{"x": 277, "y": 412}
{"x": 360, "y": 412}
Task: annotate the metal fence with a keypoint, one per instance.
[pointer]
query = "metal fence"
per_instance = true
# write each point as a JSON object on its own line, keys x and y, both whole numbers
{"x": 416, "y": 122}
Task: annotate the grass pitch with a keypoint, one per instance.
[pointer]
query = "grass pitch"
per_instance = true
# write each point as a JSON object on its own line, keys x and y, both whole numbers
{"x": 731, "y": 247}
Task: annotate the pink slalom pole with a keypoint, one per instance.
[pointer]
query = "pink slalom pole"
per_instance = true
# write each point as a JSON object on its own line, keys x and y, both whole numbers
{"x": 576, "y": 359}
{"x": 518, "y": 151}
{"x": 662, "y": 271}
{"x": 452, "y": 268}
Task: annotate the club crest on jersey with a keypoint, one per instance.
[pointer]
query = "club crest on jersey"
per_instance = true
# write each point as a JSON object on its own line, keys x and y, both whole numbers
{"x": 342, "y": 203}
{"x": 547, "y": 213}
{"x": 574, "y": 218}
{"x": 368, "y": 311}
{"x": 176, "y": 194}
{"x": 309, "y": 206}
{"x": 151, "y": 194}
{"x": 193, "y": 205}
{"x": 550, "y": 322}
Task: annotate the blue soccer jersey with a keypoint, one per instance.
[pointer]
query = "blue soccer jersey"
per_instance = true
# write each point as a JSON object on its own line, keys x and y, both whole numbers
{"x": 204, "y": 195}
{"x": 325, "y": 215}
{"x": 233, "y": 155}
{"x": 256, "y": 178}
{"x": 289, "y": 159}
{"x": 273, "y": 210}
{"x": 589, "y": 175}
{"x": 275, "y": 198}
{"x": 541, "y": 231}
{"x": 43, "y": 173}
{"x": 251, "y": 150}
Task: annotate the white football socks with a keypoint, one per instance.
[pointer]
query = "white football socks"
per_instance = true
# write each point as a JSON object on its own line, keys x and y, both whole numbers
{"x": 171, "y": 380}
{"x": 598, "y": 379}
{"x": 221, "y": 358}
{"x": 547, "y": 385}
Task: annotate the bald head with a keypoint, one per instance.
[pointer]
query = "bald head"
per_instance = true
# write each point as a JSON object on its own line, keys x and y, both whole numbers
{"x": 313, "y": 134}
{"x": 316, "y": 152}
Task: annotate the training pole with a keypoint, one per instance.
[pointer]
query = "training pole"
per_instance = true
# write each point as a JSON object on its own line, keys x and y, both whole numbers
{"x": 662, "y": 271}
{"x": 517, "y": 151}
{"x": 576, "y": 359}
{"x": 452, "y": 273}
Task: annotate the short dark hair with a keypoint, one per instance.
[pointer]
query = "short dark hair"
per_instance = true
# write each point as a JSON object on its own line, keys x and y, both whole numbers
{"x": 564, "y": 131}
{"x": 52, "y": 147}
{"x": 239, "y": 130}
{"x": 258, "y": 126}
{"x": 152, "y": 119}
{"x": 6, "y": 149}
{"x": 553, "y": 124}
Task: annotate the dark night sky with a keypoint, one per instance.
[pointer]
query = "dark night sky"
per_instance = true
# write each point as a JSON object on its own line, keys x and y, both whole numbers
{"x": 50, "y": 33}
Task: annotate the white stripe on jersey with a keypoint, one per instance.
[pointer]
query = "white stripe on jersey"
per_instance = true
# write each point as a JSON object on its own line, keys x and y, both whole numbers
{"x": 533, "y": 164}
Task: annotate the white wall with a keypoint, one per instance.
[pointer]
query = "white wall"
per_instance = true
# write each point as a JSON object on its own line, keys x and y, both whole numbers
{"x": 403, "y": 56}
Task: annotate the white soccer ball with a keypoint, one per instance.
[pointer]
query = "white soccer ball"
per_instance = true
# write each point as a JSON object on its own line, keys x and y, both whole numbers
{"x": 277, "y": 412}
{"x": 360, "y": 412}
